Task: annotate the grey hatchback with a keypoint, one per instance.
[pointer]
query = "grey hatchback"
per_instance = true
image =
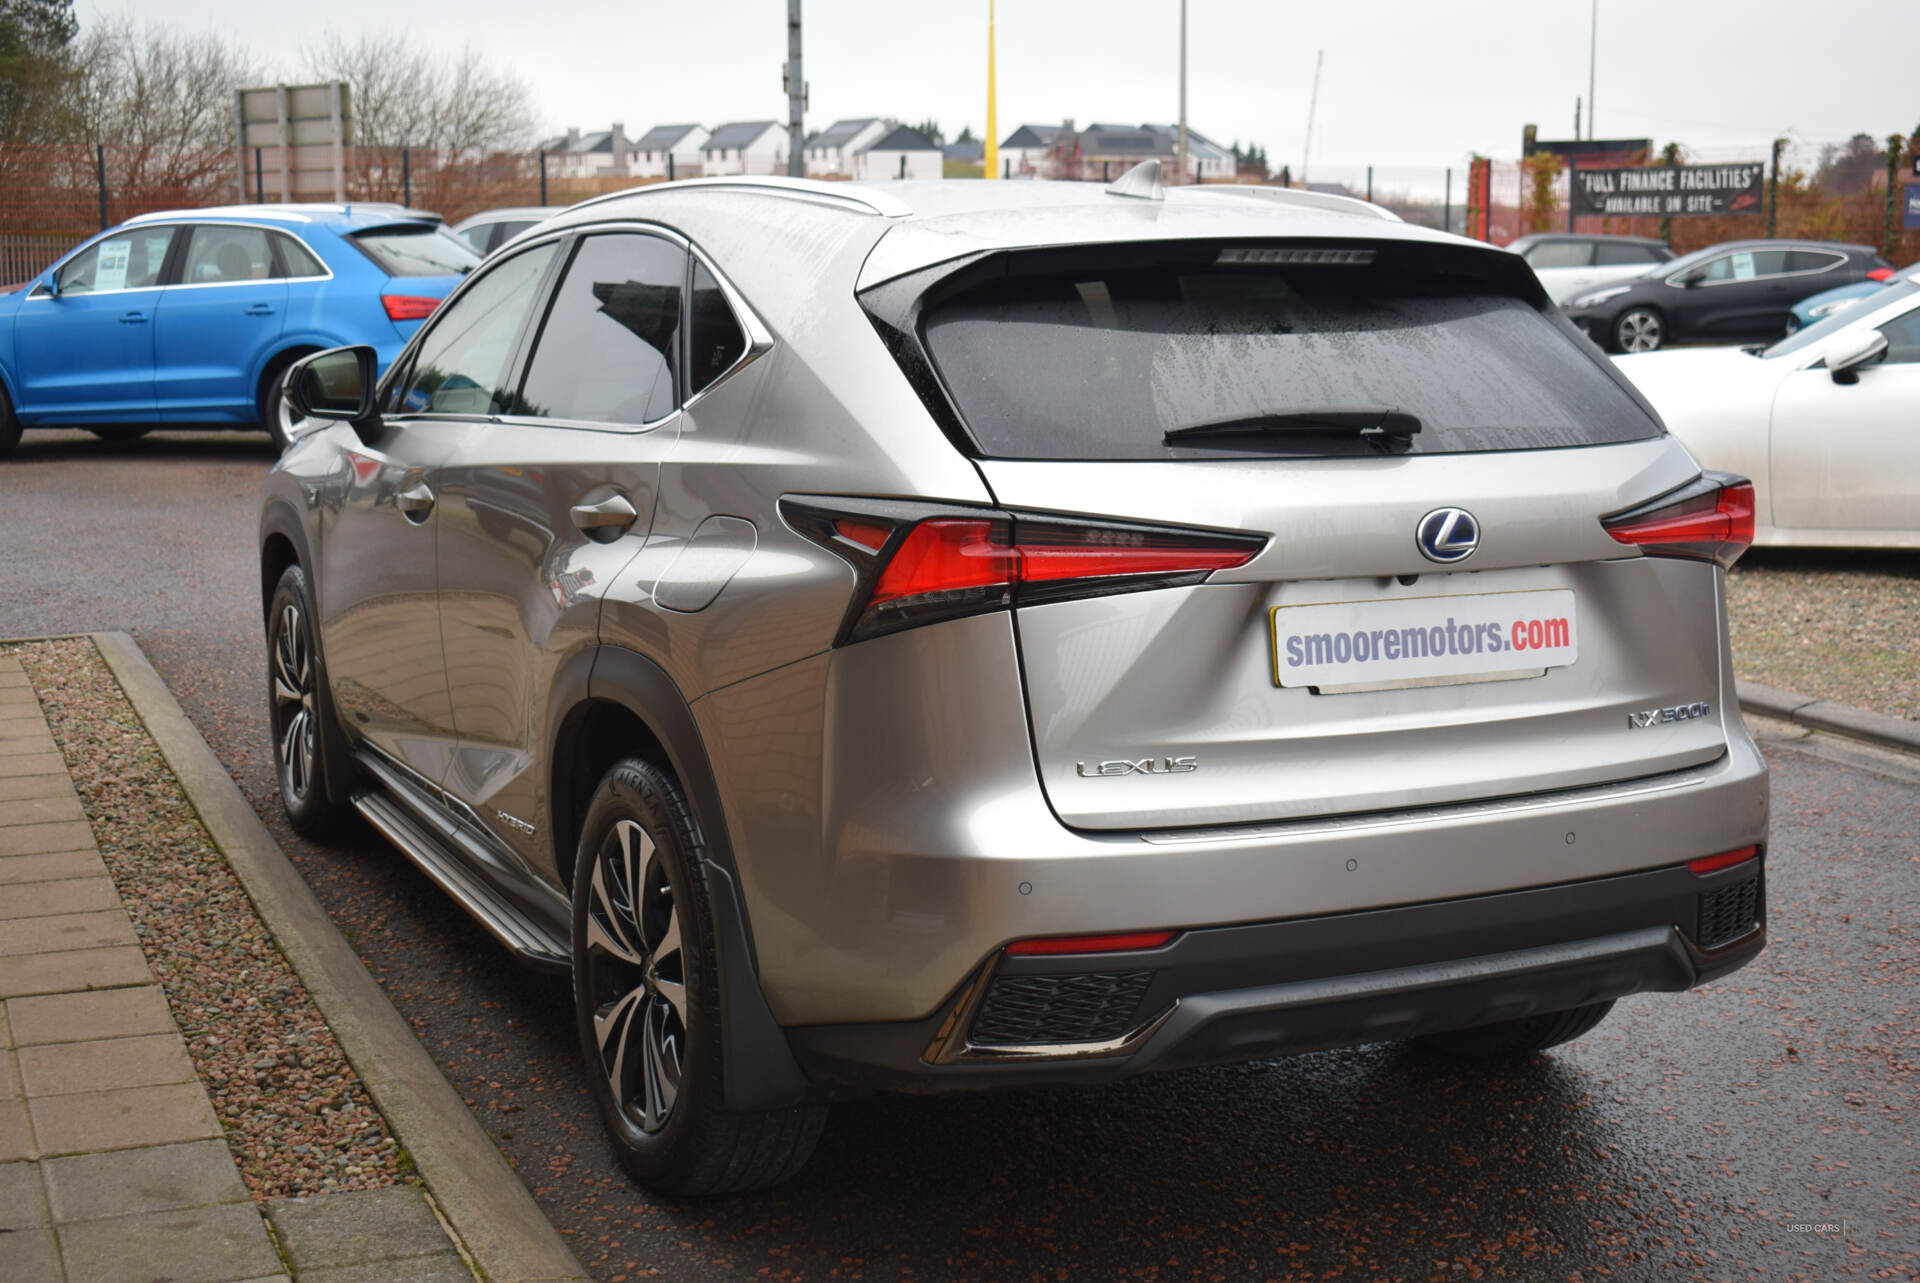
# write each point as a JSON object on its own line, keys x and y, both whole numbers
{"x": 960, "y": 635}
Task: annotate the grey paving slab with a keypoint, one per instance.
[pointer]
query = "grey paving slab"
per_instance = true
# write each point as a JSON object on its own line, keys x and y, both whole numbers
{"x": 17, "y": 764}
{"x": 10, "y": 1082}
{"x": 34, "y": 839}
{"x": 18, "y": 745}
{"x": 16, "y": 1134}
{"x": 160, "y": 1178}
{"x": 23, "y": 1204}
{"x": 87, "y": 1122}
{"x": 31, "y": 1257}
{"x": 50, "y": 785}
{"x": 79, "y": 1017}
{"x": 21, "y": 724}
{"x": 64, "y": 1068}
{"x": 6, "y": 1026}
{"x": 74, "y": 971}
{"x": 195, "y": 1245}
{"x": 65, "y": 932}
{"x": 356, "y": 1228}
{"x": 419, "y": 1269}
{"x": 55, "y": 866}
{"x": 75, "y": 895}
{"x": 41, "y": 810}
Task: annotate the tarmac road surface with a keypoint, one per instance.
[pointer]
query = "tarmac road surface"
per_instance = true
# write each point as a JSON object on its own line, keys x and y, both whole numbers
{"x": 1763, "y": 1127}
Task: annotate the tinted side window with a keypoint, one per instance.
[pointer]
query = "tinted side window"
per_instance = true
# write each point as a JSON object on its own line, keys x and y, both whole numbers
{"x": 1621, "y": 255}
{"x": 1812, "y": 260}
{"x": 296, "y": 260}
{"x": 219, "y": 255}
{"x": 128, "y": 261}
{"x": 715, "y": 339}
{"x": 1903, "y": 339}
{"x": 463, "y": 356}
{"x": 609, "y": 350}
{"x": 1746, "y": 264}
{"x": 1558, "y": 254}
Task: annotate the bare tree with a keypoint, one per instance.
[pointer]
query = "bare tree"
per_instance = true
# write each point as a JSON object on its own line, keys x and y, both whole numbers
{"x": 407, "y": 96}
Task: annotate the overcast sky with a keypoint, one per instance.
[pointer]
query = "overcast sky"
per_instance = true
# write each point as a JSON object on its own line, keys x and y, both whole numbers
{"x": 1406, "y": 83}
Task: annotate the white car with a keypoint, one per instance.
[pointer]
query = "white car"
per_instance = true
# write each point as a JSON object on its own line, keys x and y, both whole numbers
{"x": 1571, "y": 264}
{"x": 1825, "y": 422}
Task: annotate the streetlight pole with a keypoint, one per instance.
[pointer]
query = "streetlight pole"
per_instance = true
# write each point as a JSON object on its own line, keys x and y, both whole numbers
{"x": 1593, "y": 59}
{"x": 1183, "y": 92}
{"x": 990, "y": 150}
{"x": 796, "y": 95}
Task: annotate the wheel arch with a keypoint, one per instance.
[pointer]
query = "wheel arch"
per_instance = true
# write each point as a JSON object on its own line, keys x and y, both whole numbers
{"x": 610, "y": 700}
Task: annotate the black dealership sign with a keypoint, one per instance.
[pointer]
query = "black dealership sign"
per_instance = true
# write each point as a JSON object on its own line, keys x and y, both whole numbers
{"x": 1669, "y": 189}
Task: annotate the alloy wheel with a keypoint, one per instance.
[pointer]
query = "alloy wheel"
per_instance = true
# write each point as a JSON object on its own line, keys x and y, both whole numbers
{"x": 1640, "y": 331}
{"x": 636, "y": 973}
{"x": 293, "y": 702}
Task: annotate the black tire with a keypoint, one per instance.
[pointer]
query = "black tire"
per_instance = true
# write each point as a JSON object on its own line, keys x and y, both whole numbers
{"x": 9, "y": 425}
{"x": 1510, "y": 1039}
{"x": 121, "y": 431}
{"x": 643, "y": 972}
{"x": 1639, "y": 329}
{"x": 296, "y": 705}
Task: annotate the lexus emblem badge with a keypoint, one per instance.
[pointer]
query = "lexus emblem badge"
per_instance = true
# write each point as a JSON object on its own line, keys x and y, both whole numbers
{"x": 1447, "y": 535}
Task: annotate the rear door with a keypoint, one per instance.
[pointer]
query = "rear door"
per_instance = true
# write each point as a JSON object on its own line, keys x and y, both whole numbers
{"x": 84, "y": 354}
{"x": 214, "y": 328}
{"x": 541, "y": 509}
{"x": 1440, "y": 621}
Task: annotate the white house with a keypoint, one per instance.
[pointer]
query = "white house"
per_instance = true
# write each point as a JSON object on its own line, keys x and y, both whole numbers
{"x": 1029, "y": 149}
{"x": 745, "y": 147}
{"x": 577, "y": 155}
{"x": 835, "y": 149}
{"x": 904, "y": 152}
{"x": 669, "y": 151}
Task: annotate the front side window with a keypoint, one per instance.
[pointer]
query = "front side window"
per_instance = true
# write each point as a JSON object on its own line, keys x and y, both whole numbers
{"x": 1903, "y": 339}
{"x": 608, "y": 351}
{"x": 1746, "y": 265}
{"x": 125, "y": 261}
{"x": 223, "y": 255}
{"x": 462, "y": 358}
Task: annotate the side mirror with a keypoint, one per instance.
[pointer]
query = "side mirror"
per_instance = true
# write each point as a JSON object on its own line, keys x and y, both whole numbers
{"x": 1692, "y": 278}
{"x": 336, "y": 385}
{"x": 1851, "y": 351}
{"x": 49, "y": 288}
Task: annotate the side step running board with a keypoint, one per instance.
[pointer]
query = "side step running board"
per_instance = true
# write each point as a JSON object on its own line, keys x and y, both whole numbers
{"x": 533, "y": 941}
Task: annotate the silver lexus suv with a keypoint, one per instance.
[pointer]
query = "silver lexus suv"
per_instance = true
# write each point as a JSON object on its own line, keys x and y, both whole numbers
{"x": 961, "y": 635}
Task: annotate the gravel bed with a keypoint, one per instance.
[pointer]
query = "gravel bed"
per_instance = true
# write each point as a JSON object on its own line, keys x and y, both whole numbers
{"x": 1840, "y": 625}
{"x": 297, "y": 1117}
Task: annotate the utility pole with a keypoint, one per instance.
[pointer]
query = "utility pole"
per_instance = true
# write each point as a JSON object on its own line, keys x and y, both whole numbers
{"x": 1306, "y": 152}
{"x": 796, "y": 95}
{"x": 1576, "y": 120}
{"x": 1593, "y": 61}
{"x": 990, "y": 149}
{"x": 1182, "y": 157}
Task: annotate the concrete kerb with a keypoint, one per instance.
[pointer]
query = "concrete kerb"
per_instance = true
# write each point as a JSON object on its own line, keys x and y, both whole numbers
{"x": 497, "y": 1223}
{"x": 1831, "y": 718}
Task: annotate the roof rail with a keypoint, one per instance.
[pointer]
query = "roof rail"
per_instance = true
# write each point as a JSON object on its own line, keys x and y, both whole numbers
{"x": 291, "y": 214}
{"x": 845, "y": 195}
{"x": 1327, "y": 201}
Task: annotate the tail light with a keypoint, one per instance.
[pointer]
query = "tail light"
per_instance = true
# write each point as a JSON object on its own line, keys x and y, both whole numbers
{"x": 408, "y": 307}
{"x": 1880, "y": 274}
{"x": 919, "y": 566}
{"x": 1119, "y": 942}
{"x": 1709, "y": 519}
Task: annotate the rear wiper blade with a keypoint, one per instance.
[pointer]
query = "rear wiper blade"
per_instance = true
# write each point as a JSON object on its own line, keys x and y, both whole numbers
{"x": 1353, "y": 420}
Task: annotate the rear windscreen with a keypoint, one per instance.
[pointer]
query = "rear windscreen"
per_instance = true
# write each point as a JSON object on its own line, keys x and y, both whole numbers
{"x": 421, "y": 249}
{"x": 1096, "y": 364}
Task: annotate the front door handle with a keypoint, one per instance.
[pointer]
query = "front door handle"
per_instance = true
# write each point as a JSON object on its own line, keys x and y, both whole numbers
{"x": 416, "y": 501}
{"x": 260, "y": 309}
{"x": 611, "y": 515}
{"x": 134, "y": 318}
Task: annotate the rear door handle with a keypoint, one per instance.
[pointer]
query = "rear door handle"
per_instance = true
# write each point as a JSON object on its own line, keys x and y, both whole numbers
{"x": 416, "y": 501}
{"x": 611, "y": 514}
{"x": 134, "y": 318}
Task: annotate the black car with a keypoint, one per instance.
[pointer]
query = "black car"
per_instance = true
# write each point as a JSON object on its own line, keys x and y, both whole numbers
{"x": 1734, "y": 292}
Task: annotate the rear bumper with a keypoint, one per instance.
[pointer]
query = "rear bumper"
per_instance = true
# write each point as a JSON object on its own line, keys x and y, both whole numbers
{"x": 1228, "y": 994}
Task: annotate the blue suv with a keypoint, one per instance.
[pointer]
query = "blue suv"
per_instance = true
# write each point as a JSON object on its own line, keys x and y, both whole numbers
{"x": 189, "y": 318}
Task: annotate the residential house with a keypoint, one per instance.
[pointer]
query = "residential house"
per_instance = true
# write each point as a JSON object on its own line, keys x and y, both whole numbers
{"x": 1103, "y": 152}
{"x": 833, "y": 150}
{"x": 904, "y": 152}
{"x": 745, "y": 147}
{"x": 576, "y": 155}
{"x": 1028, "y": 150}
{"x": 669, "y": 151}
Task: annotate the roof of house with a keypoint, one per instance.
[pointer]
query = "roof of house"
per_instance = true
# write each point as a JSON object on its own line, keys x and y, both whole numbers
{"x": 972, "y": 149}
{"x": 737, "y": 133}
{"x": 1122, "y": 140}
{"x": 599, "y": 140}
{"x": 661, "y": 137}
{"x": 905, "y": 138}
{"x": 1032, "y": 136}
{"x": 841, "y": 132}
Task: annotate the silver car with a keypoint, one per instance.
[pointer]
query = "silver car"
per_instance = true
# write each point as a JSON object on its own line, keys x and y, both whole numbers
{"x": 964, "y": 635}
